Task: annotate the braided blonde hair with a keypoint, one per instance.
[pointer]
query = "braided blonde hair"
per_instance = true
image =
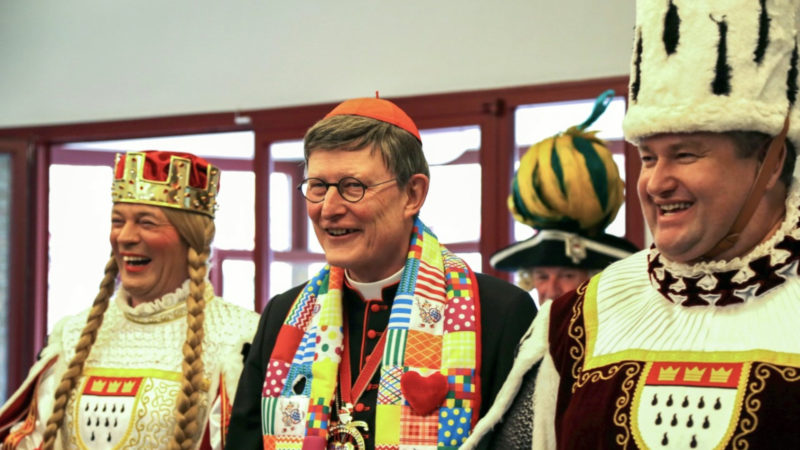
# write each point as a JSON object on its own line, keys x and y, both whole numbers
{"x": 89, "y": 334}
{"x": 198, "y": 231}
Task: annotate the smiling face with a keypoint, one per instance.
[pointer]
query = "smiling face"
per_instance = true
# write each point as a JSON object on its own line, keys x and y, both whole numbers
{"x": 692, "y": 187}
{"x": 150, "y": 254}
{"x": 369, "y": 238}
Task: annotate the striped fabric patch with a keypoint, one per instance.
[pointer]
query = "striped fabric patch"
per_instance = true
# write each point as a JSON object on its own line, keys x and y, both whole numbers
{"x": 400, "y": 315}
{"x": 395, "y": 347}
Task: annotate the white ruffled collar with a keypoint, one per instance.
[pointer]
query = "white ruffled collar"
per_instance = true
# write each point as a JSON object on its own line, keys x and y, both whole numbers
{"x": 739, "y": 280}
{"x": 168, "y": 307}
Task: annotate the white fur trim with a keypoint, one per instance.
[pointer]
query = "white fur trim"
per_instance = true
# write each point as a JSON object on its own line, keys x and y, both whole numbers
{"x": 545, "y": 398}
{"x": 675, "y": 89}
{"x": 533, "y": 345}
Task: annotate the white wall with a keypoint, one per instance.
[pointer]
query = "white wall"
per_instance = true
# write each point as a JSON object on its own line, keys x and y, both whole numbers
{"x": 86, "y": 60}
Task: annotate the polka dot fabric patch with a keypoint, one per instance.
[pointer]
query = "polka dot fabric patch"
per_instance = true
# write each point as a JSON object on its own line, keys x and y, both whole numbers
{"x": 276, "y": 375}
{"x": 460, "y": 316}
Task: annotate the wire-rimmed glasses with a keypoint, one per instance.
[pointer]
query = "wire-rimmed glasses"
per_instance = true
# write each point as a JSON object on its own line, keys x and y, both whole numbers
{"x": 350, "y": 188}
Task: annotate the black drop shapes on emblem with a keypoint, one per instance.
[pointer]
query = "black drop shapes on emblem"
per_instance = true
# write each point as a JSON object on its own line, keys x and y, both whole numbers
{"x": 693, "y": 443}
{"x": 654, "y": 402}
{"x": 672, "y": 24}
{"x": 114, "y": 408}
{"x": 106, "y": 422}
{"x": 658, "y": 419}
{"x": 108, "y": 439}
{"x": 674, "y": 420}
{"x": 89, "y": 422}
{"x": 91, "y": 438}
{"x": 791, "y": 82}
{"x": 763, "y": 33}
{"x": 97, "y": 422}
{"x": 104, "y": 407}
{"x": 717, "y": 404}
{"x": 690, "y": 422}
{"x": 701, "y": 404}
{"x": 669, "y": 400}
{"x": 722, "y": 71}
{"x": 115, "y": 422}
{"x": 122, "y": 408}
{"x": 706, "y": 424}
{"x": 665, "y": 440}
{"x": 86, "y": 408}
{"x": 636, "y": 82}
{"x": 685, "y": 402}
{"x": 96, "y": 406}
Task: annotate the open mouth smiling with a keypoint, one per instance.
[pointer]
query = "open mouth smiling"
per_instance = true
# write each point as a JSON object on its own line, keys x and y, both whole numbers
{"x": 673, "y": 208}
{"x": 340, "y": 231}
{"x": 136, "y": 260}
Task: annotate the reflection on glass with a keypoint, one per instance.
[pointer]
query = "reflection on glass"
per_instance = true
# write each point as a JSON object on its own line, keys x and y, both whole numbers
{"x": 238, "y": 282}
{"x": 235, "y": 217}
{"x": 454, "y": 187}
{"x": 5, "y": 236}
{"x": 78, "y": 245}
{"x": 280, "y": 211}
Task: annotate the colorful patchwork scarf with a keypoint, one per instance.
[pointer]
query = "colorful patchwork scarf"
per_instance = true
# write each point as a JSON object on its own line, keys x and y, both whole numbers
{"x": 429, "y": 390}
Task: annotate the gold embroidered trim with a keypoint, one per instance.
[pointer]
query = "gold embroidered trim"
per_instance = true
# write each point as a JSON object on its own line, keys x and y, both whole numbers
{"x": 576, "y": 332}
{"x": 761, "y": 372}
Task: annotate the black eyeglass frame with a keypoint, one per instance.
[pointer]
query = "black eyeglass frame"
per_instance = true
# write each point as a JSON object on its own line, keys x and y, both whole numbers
{"x": 339, "y": 188}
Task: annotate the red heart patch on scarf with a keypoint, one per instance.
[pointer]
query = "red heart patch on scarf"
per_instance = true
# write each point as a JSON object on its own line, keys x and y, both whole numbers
{"x": 424, "y": 394}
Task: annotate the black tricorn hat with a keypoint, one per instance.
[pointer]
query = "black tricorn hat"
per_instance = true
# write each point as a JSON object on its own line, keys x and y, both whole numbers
{"x": 551, "y": 247}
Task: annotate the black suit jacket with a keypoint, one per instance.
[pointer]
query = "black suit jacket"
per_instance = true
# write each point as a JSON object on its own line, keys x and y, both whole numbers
{"x": 506, "y": 311}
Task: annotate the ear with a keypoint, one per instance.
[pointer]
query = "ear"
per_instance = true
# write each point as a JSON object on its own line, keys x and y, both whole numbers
{"x": 776, "y": 173}
{"x": 416, "y": 192}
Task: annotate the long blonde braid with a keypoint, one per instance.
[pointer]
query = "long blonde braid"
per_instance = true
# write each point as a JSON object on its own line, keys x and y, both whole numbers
{"x": 88, "y": 336}
{"x": 198, "y": 230}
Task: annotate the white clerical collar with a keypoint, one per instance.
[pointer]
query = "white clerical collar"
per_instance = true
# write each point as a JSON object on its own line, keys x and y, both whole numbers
{"x": 373, "y": 289}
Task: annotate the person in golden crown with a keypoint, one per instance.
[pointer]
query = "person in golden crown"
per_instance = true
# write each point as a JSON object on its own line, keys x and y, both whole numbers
{"x": 397, "y": 343}
{"x": 154, "y": 362}
{"x": 692, "y": 343}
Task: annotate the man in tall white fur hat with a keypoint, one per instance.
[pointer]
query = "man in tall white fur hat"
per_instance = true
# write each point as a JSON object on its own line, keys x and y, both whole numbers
{"x": 694, "y": 342}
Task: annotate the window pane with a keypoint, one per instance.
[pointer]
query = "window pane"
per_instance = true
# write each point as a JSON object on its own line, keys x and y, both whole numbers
{"x": 532, "y": 123}
{"x": 237, "y": 144}
{"x": 474, "y": 260}
{"x": 454, "y": 187}
{"x": 444, "y": 145}
{"x": 235, "y": 217}
{"x": 5, "y": 226}
{"x": 238, "y": 282}
{"x": 313, "y": 242}
{"x": 280, "y": 211}
{"x": 79, "y": 247}
{"x": 287, "y": 150}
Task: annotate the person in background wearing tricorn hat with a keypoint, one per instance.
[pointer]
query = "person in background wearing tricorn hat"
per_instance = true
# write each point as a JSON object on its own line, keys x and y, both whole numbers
{"x": 396, "y": 343}
{"x": 694, "y": 342}
{"x": 154, "y": 364}
{"x": 568, "y": 189}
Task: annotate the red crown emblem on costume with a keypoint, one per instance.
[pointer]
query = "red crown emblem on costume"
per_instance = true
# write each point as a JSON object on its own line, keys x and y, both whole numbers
{"x": 175, "y": 180}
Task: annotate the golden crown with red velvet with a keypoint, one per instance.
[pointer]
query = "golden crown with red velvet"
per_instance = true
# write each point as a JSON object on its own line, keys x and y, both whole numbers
{"x": 171, "y": 179}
